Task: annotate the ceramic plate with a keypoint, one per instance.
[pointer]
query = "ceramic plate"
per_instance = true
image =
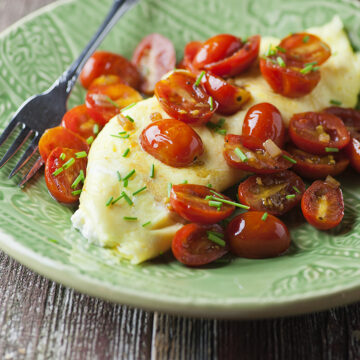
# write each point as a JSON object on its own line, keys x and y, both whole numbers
{"x": 321, "y": 270}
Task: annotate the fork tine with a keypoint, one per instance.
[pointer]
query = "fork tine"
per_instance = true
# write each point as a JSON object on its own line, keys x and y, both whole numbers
{"x": 29, "y": 152}
{"x": 38, "y": 164}
{"x": 22, "y": 137}
{"x": 8, "y": 130}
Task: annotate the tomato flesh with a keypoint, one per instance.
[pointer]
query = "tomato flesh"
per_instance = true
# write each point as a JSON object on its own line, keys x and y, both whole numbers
{"x": 192, "y": 247}
{"x": 60, "y": 137}
{"x": 59, "y": 185}
{"x": 172, "y": 142}
{"x": 107, "y": 63}
{"x": 183, "y": 100}
{"x": 257, "y": 159}
{"x": 275, "y": 193}
{"x": 190, "y": 202}
{"x": 264, "y": 121}
{"x": 251, "y": 236}
{"x": 318, "y": 132}
{"x": 323, "y": 205}
{"x": 154, "y": 57}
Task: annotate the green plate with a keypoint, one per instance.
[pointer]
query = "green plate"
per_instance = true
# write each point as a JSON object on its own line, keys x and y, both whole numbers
{"x": 321, "y": 270}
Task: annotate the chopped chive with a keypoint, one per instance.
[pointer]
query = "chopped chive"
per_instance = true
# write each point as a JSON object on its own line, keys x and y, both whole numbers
{"x": 112, "y": 102}
{"x": 62, "y": 156}
{"x": 331, "y": 149}
{"x": 118, "y": 175}
{"x": 280, "y": 61}
{"x": 128, "y": 107}
{"x": 90, "y": 140}
{"x": 129, "y": 175}
{"x": 296, "y": 189}
{"x": 216, "y": 239}
{"x": 139, "y": 191}
{"x": 307, "y": 69}
{"x": 230, "y": 203}
{"x": 126, "y": 136}
{"x": 221, "y": 131}
{"x": 185, "y": 182}
{"x": 311, "y": 63}
{"x": 221, "y": 122}
{"x": 69, "y": 163}
{"x": 209, "y": 185}
{"x": 169, "y": 189}
{"x": 211, "y": 102}
{"x": 76, "y": 192}
{"x": 130, "y": 118}
{"x": 77, "y": 180}
{"x": 306, "y": 39}
{"x": 117, "y": 199}
{"x": 240, "y": 155}
{"x": 217, "y": 194}
{"x": 290, "y": 196}
{"x": 108, "y": 203}
{"x": 126, "y": 182}
{"x": 58, "y": 171}
{"x": 264, "y": 217}
{"x": 335, "y": 102}
{"x": 281, "y": 49}
{"x": 216, "y": 233}
{"x": 122, "y": 132}
{"x": 96, "y": 129}
{"x": 146, "y": 224}
{"x": 152, "y": 171}
{"x": 81, "y": 154}
{"x": 214, "y": 203}
{"x": 126, "y": 152}
{"x": 289, "y": 159}
{"x": 270, "y": 51}
{"x": 129, "y": 218}
{"x": 198, "y": 80}
{"x": 315, "y": 68}
{"x": 126, "y": 197}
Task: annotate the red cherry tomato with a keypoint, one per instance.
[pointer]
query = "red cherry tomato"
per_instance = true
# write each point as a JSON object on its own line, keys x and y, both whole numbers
{"x": 106, "y": 63}
{"x": 305, "y": 48}
{"x": 192, "y": 247}
{"x": 274, "y": 193}
{"x": 318, "y": 133}
{"x": 79, "y": 121}
{"x": 107, "y": 95}
{"x": 60, "y": 185}
{"x": 317, "y": 166}
{"x": 225, "y": 55}
{"x": 190, "y": 51}
{"x": 229, "y": 97}
{"x": 264, "y": 121}
{"x": 288, "y": 80}
{"x": 172, "y": 142}
{"x": 183, "y": 100}
{"x": 189, "y": 201}
{"x": 154, "y": 57}
{"x": 60, "y": 137}
{"x": 256, "y": 159}
{"x": 251, "y": 236}
{"x": 323, "y": 205}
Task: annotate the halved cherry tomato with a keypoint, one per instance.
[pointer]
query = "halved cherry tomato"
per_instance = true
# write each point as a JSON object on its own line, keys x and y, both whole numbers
{"x": 192, "y": 247}
{"x": 107, "y": 63}
{"x": 229, "y": 97}
{"x": 255, "y": 236}
{"x": 287, "y": 80}
{"x": 317, "y": 166}
{"x": 183, "y": 100}
{"x": 264, "y": 121}
{"x": 154, "y": 57}
{"x": 59, "y": 185}
{"x": 305, "y": 48}
{"x": 172, "y": 142}
{"x": 225, "y": 55}
{"x": 323, "y": 205}
{"x": 256, "y": 159}
{"x": 190, "y": 51}
{"x": 318, "y": 133}
{"x": 107, "y": 95}
{"x": 60, "y": 137}
{"x": 274, "y": 193}
{"x": 190, "y": 202}
{"x": 79, "y": 121}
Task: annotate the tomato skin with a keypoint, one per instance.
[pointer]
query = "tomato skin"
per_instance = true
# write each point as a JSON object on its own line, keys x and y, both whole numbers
{"x": 190, "y": 51}
{"x": 154, "y": 56}
{"x": 188, "y": 200}
{"x": 229, "y": 97}
{"x": 107, "y": 63}
{"x": 317, "y": 166}
{"x": 79, "y": 121}
{"x": 264, "y": 121}
{"x": 182, "y": 100}
{"x": 268, "y": 192}
{"x": 226, "y": 56}
{"x": 59, "y": 186}
{"x": 313, "y": 49}
{"x": 303, "y": 132}
{"x": 251, "y": 237}
{"x": 288, "y": 81}
{"x": 191, "y": 246}
{"x": 60, "y": 137}
{"x": 97, "y": 98}
{"x": 328, "y": 194}
{"x": 172, "y": 142}
{"x": 260, "y": 162}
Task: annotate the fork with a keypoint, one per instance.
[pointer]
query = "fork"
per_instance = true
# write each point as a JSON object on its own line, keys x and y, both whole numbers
{"x": 46, "y": 110}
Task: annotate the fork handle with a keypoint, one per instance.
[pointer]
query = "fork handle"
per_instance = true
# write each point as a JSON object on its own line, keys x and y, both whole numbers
{"x": 69, "y": 77}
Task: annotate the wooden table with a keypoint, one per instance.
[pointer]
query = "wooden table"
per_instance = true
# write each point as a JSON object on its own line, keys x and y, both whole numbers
{"x": 40, "y": 319}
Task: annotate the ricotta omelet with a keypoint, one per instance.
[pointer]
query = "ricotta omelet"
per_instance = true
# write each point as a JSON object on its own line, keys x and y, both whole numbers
{"x": 139, "y": 226}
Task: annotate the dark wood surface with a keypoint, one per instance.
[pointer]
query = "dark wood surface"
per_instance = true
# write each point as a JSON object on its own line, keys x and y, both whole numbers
{"x": 43, "y": 320}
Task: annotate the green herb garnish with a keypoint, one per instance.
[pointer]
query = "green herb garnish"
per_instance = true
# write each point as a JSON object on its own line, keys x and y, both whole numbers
{"x": 62, "y": 156}
{"x": 126, "y": 152}
{"x": 289, "y": 159}
{"x": 264, "y": 217}
{"x": 81, "y": 154}
{"x": 152, "y": 171}
{"x": 90, "y": 140}
{"x": 146, "y": 224}
{"x": 198, "y": 80}
{"x": 335, "y": 102}
{"x": 240, "y": 155}
{"x": 129, "y": 218}
{"x": 280, "y": 61}
{"x": 58, "y": 171}
{"x": 108, "y": 203}
{"x": 290, "y": 196}
{"x": 139, "y": 191}
{"x": 130, "y": 118}
{"x": 331, "y": 149}
{"x": 216, "y": 239}
{"x": 96, "y": 129}
{"x": 69, "y": 163}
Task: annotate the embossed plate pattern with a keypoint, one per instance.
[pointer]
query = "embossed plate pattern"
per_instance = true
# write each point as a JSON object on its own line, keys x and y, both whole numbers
{"x": 321, "y": 270}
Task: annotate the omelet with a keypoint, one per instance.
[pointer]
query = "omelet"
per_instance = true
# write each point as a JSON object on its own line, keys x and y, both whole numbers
{"x": 139, "y": 225}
